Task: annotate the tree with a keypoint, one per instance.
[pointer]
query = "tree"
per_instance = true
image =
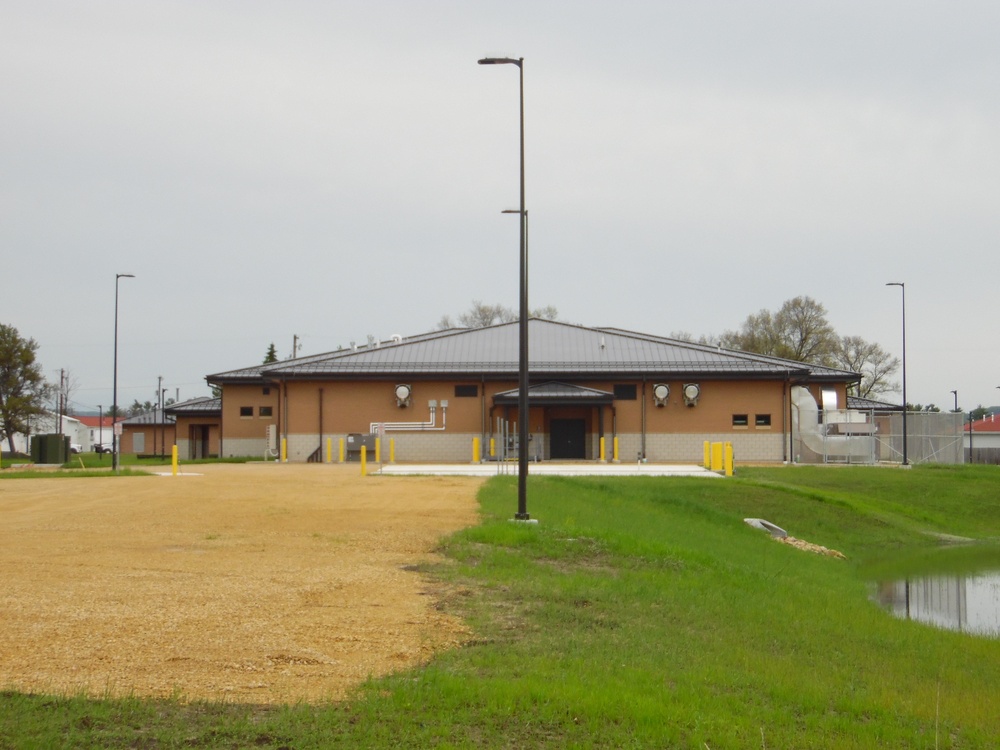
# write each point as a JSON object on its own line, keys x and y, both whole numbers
{"x": 23, "y": 388}
{"x": 868, "y": 358}
{"x": 272, "y": 354}
{"x": 481, "y": 315}
{"x": 798, "y": 331}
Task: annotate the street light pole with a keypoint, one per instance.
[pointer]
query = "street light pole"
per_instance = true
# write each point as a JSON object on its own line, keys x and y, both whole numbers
{"x": 902, "y": 286}
{"x": 522, "y": 401}
{"x": 955, "y": 394}
{"x": 114, "y": 413}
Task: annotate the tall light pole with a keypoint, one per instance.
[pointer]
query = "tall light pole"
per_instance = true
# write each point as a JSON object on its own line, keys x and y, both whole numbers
{"x": 955, "y": 394}
{"x": 522, "y": 401}
{"x": 114, "y": 414}
{"x": 902, "y": 287}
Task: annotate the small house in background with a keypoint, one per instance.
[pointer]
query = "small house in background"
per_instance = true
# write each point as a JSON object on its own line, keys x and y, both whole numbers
{"x": 100, "y": 431}
{"x": 198, "y": 424}
{"x": 151, "y": 433}
{"x": 982, "y": 440}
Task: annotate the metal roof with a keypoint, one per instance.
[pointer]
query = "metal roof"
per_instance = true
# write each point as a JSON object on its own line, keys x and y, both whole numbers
{"x": 196, "y": 406}
{"x": 556, "y": 350}
{"x": 155, "y": 416}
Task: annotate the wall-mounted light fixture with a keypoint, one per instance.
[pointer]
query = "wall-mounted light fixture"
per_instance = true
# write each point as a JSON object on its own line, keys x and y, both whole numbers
{"x": 692, "y": 391}
{"x": 661, "y": 392}
{"x": 403, "y": 394}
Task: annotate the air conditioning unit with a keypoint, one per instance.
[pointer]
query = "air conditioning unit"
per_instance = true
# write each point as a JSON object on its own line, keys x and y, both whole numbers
{"x": 691, "y": 393}
{"x": 661, "y": 392}
{"x": 403, "y": 394}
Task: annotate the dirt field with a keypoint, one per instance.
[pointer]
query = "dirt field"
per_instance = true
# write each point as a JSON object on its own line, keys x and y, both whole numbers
{"x": 254, "y": 583}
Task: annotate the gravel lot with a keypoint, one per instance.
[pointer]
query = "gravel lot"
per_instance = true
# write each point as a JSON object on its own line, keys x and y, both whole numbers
{"x": 262, "y": 583}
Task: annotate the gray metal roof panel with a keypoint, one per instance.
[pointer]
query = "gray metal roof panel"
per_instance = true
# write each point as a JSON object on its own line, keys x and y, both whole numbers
{"x": 553, "y": 348}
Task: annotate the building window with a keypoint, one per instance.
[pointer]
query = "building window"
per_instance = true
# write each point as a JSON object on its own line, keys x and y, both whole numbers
{"x": 762, "y": 420}
{"x": 266, "y": 411}
{"x": 741, "y": 420}
{"x": 465, "y": 391}
{"x": 625, "y": 392}
{"x": 267, "y": 391}
{"x": 246, "y": 411}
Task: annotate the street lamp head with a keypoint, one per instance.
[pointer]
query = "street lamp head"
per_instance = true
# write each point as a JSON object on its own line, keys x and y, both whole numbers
{"x": 501, "y": 61}
{"x": 124, "y": 275}
{"x": 896, "y": 283}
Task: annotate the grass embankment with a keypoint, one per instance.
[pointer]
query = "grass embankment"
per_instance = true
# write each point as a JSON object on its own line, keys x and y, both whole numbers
{"x": 645, "y": 613}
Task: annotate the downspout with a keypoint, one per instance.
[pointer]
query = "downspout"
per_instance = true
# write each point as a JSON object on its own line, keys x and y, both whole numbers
{"x": 321, "y": 424}
{"x": 785, "y": 414}
{"x": 482, "y": 407}
{"x": 642, "y": 441}
{"x": 284, "y": 418}
{"x": 222, "y": 423}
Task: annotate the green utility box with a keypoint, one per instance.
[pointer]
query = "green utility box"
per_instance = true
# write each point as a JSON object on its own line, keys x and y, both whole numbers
{"x": 50, "y": 449}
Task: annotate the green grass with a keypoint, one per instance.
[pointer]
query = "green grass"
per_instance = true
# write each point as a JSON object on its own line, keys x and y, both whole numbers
{"x": 644, "y": 613}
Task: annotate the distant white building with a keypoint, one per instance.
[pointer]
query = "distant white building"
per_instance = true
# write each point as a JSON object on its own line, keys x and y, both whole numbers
{"x": 46, "y": 423}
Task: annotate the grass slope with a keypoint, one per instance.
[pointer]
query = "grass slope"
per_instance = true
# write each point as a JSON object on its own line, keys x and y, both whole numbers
{"x": 644, "y": 613}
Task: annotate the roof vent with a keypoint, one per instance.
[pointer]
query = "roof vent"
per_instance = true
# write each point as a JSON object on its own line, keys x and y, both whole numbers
{"x": 396, "y": 338}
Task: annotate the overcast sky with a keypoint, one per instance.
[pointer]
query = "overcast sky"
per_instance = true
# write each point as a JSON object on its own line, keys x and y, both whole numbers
{"x": 336, "y": 169}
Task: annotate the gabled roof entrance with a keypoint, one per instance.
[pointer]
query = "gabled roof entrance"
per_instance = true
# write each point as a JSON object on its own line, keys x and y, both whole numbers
{"x": 556, "y": 394}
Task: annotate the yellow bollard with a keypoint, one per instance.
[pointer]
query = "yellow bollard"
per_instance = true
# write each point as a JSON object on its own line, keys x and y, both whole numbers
{"x": 173, "y": 461}
{"x": 475, "y": 450}
{"x": 340, "y": 451}
{"x": 716, "y": 457}
{"x": 708, "y": 455}
{"x": 493, "y": 447}
{"x": 602, "y": 449}
{"x": 364, "y": 460}
{"x": 729, "y": 459}
{"x": 614, "y": 449}
{"x": 378, "y": 450}
{"x": 392, "y": 450}
{"x": 329, "y": 450}
{"x": 284, "y": 450}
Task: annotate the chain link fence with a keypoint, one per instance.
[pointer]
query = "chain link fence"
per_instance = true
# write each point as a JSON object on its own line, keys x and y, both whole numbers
{"x": 876, "y": 436}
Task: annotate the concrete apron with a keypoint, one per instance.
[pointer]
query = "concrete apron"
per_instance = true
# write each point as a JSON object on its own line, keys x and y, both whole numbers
{"x": 547, "y": 469}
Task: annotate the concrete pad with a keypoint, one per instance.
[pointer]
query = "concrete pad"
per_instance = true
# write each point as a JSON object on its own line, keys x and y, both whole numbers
{"x": 547, "y": 468}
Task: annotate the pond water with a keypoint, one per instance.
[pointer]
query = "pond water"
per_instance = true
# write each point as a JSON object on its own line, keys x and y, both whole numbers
{"x": 969, "y": 603}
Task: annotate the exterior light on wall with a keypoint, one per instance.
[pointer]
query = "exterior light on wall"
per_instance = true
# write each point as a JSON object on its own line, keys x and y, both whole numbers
{"x": 661, "y": 392}
{"x": 403, "y": 393}
{"x": 692, "y": 391}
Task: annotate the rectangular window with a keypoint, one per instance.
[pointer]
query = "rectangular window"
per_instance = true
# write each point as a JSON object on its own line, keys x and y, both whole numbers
{"x": 762, "y": 420}
{"x": 625, "y": 392}
{"x": 266, "y": 411}
{"x": 267, "y": 391}
{"x": 741, "y": 420}
{"x": 466, "y": 391}
{"x": 246, "y": 411}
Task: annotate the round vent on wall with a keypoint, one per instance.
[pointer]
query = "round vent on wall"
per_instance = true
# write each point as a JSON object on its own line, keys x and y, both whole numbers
{"x": 661, "y": 392}
{"x": 691, "y": 393}
{"x": 403, "y": 393}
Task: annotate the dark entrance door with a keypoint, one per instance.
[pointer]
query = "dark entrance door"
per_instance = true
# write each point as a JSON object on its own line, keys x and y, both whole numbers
{"x": 569, "y": 438}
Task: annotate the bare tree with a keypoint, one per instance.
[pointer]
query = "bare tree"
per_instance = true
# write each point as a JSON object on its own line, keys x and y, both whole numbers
{"x": 875, "y": 364}
{"x": 481, "y": 315}
{"x": 798, "y": 331}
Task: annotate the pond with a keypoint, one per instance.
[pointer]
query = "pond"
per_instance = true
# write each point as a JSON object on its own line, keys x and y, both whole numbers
{"x": 968, "y": 602}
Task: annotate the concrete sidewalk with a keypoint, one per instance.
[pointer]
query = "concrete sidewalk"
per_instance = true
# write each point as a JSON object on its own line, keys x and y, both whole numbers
{"x": 547, "y": 468}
